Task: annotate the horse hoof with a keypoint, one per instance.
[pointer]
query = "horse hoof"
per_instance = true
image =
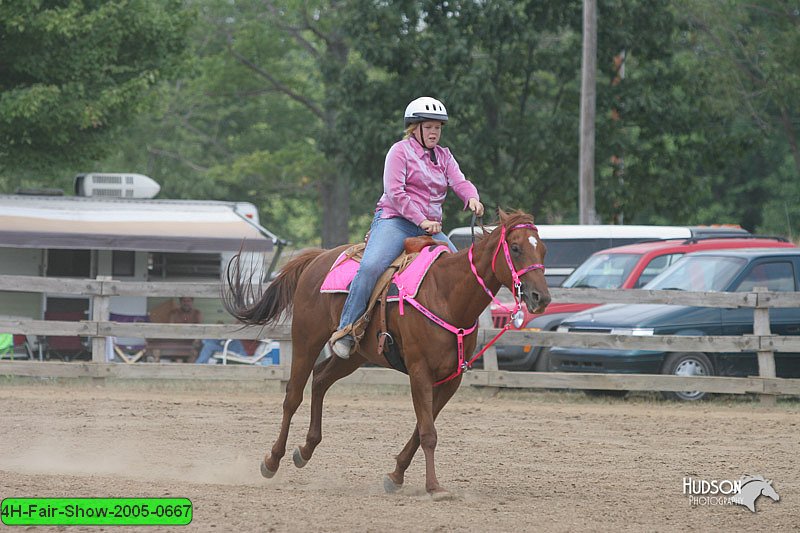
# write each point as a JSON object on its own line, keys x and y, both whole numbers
{"x": 390, "y": 486}
{"x": 265, "y": 471}
{"x": 299, "y": 462}
{"x": 442, "y": 496}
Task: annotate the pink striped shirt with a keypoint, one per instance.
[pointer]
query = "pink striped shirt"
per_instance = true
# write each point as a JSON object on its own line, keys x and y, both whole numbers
{"x": 414, "y": 187}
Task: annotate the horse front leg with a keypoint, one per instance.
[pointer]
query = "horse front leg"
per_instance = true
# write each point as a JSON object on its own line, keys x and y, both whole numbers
{"x": 394, "y": 480}
{"x": 326, "y": 373}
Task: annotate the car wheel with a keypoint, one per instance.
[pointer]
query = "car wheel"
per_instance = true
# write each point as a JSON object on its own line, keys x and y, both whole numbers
{"x": 687, "y": 364}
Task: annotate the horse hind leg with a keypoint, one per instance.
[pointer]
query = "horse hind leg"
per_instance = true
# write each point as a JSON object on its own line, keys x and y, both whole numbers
{"x": 302, "y": 364}
{"x": 326, "y": 373}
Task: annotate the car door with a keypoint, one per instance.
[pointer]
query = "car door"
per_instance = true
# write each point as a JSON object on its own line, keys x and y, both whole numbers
{"x": 776, "y": 274}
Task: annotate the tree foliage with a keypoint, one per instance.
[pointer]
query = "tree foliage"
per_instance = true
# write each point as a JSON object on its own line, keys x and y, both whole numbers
{"x": 751, "y": 51}
{"x": 265, "y": 115}
{"x": 510, "y": 73}
{"x": 72, "y": 72}
{"x": 292, "y": 105}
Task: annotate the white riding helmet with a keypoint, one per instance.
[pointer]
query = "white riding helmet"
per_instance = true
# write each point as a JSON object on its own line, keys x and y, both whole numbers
{"x": 424, "y": 108}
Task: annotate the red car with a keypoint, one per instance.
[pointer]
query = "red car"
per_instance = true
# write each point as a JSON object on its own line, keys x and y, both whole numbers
{"x": 624, "y": 267}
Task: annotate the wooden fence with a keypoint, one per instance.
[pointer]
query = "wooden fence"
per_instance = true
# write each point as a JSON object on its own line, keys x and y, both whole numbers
{"x": 99, "y": 327}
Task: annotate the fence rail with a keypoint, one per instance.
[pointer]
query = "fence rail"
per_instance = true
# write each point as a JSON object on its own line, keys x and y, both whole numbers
{"x": 100, "y": 327}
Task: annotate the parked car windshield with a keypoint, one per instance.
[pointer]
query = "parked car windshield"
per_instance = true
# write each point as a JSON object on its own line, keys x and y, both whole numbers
{"x": 703, "y": 273}
{"x": 602, "y": 271}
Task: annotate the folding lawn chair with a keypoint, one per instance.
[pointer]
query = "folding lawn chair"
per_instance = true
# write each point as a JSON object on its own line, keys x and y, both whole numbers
{"x": 129, "y": 349}
{"x": 66, "y": 347}
{"x": 263, "y": 352}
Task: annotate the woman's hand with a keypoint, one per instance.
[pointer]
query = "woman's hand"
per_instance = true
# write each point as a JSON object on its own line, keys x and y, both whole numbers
{"x": 431, "y": 227}
{"x": 475, "y": 206}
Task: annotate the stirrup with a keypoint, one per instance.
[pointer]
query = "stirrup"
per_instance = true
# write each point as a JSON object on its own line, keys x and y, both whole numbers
{"x": 343, "y": 347}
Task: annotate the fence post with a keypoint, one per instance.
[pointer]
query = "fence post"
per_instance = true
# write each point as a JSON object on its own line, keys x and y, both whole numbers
{"x": 285, "y": 349}
{"x": 761, "y": 328}
{"x": 490, "y": 355}
{"x": 100, "y": 313}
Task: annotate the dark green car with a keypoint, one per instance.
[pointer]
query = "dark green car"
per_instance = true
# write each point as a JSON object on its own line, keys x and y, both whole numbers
{"x": 721, "y": 270}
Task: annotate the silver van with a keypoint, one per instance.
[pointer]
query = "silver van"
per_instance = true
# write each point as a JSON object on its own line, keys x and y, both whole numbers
{"x": 569, "y": 245}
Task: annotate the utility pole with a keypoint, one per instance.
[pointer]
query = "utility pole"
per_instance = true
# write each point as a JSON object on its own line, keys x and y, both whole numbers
{"x": 588, "y": 97}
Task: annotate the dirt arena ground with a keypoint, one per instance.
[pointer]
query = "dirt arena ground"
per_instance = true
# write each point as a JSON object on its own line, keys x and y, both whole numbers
{"x": 513, "y": 461}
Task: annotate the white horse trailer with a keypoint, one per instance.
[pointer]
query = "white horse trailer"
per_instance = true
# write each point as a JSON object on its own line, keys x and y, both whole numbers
{"x": 126, "y": 238}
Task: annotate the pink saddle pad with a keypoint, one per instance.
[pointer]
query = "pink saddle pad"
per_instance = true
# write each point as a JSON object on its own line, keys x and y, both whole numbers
{"x": 344, "y": 270}
{"x": 340, "y": 275}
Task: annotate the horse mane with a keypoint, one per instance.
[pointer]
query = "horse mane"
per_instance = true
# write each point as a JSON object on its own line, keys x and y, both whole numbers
{"x": 509, "y": 220}
{"x": 513, "y": 218}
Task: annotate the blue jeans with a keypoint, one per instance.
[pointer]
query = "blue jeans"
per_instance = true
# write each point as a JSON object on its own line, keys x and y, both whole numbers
{"x": 386, "y": 236}
{"x": 212, "y": 346}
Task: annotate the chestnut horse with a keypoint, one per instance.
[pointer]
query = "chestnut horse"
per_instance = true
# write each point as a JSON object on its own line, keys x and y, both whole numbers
{"x": 456, "y": 289}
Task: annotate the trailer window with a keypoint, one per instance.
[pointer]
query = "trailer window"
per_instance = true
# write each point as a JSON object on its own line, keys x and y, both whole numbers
{"x": 173, "y": 265}
{"x": 123, "y": 263}
{"x": 69, "y": 263}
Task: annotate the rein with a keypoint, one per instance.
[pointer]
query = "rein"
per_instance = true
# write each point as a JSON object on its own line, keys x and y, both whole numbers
{"x": 472, "y": 226}
{"x": 463, "y": 364}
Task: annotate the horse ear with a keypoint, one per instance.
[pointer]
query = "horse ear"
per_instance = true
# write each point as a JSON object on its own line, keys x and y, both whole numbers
{"x": 501, "y": 215}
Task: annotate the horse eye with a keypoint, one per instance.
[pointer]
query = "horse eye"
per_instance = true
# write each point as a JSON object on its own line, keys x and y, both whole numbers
{"x": 515, "y": 248}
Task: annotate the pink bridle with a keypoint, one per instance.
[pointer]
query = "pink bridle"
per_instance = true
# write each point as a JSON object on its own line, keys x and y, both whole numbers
{"x": 463, "y": 364}
{"x": 515, "y": 274}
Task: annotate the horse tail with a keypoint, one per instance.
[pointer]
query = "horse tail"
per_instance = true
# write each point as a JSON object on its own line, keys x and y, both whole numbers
{"x": 263, "y": 307}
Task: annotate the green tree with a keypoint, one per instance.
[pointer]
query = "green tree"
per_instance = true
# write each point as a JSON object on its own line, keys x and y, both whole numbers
{"x": 274, "y": 111}
{"x": 509, "y": 72}
{"x": 504, "y": 72}
{"x": 293, "y": 106}
{"x": 752, "y": 52}
{"x": 72, "y": 73}
{"x": 217, "y": 133}
{"x": 651, "y": 106}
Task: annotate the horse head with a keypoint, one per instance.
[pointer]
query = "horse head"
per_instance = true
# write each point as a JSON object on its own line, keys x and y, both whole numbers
{"x": 769, "y": 491}
{"x": 751, "y": 488}
{"x": 518, "y": 261}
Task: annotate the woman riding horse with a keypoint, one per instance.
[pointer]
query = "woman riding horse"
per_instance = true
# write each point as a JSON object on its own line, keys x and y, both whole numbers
{"x": 456, "y": 289}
